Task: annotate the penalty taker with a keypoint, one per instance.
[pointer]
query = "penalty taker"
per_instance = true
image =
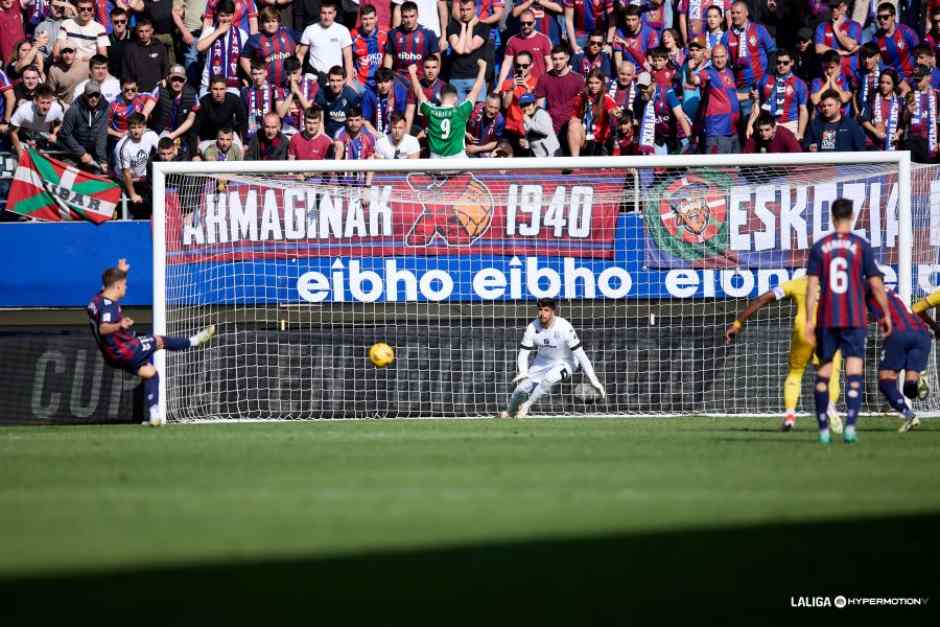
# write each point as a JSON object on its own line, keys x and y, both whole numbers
{"x": 558, "y": 354}
{"x": 120, "y": 345}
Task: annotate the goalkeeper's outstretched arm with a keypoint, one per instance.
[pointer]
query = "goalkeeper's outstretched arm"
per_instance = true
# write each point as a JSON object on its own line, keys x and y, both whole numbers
{"x": 588, "y": 369}
{"x": 752, "y": 308}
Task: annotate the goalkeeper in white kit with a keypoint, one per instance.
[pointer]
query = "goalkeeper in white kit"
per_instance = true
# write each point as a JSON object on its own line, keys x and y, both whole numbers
{"x": 558, "y": 355}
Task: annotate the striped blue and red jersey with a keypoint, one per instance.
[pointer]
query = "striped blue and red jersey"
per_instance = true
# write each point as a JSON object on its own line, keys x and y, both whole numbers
{"x": 484, "y": 8}
{"x": 367, "y": 53}
{"x": 378, "y": 109}
{"x": 901, "y": 317}
{"x": 272, "y": 50}
{"x": 695, "y": 11}
{"x": 897, "y": 49}
{"x": 782, "y": 96}
{"x": 118, "y": 346}
{"x": 244, "y": 11}
{"x": 360, "y": 147}
{"x": 843, "y": 262}
{"x": 409, "y": 48}
{"x": 825, "y": 35}
{"x": 590, "y": 15}
{"x": 845, "y": 84}
{"x": 654, "y": 17}
{"x": 483, "y": 128}
{"x": 121, "y": 109}
{"x": 635, "y": 46}
{"x": 721, "y": 111}
{"x": 749, "y": 58}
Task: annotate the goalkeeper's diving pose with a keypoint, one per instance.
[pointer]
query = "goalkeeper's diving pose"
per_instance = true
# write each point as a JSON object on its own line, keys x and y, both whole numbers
{"x": 801, "y": 351}
{"x": 558, "y": 355}
{"x": 122, "y": 348}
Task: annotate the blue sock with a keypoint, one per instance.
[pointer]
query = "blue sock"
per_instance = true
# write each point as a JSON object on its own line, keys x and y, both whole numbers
{"x": 152, "y": 392}
{"x": 176, "y": 343}
{"x": 821, "y": 394}
{"x": 889, "y": 388}
{"x": 853, "y": 397}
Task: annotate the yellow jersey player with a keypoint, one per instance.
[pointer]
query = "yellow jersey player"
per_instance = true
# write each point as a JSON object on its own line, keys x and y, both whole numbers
{"x": 921, "y": 308}
{"x": 801, "y": 351}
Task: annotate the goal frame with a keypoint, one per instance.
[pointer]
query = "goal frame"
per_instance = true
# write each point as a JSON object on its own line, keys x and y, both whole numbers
{"x": 163, "y": 169}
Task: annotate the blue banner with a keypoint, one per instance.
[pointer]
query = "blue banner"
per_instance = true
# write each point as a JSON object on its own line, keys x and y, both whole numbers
{"x": 60, "y": 265}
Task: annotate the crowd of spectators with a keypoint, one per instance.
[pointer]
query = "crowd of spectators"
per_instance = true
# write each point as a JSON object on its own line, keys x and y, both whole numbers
{"x": 113, "y": 85}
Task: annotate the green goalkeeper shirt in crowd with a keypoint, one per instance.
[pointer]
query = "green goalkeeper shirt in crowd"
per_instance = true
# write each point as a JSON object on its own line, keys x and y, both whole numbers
{"x": 446, "y": 127}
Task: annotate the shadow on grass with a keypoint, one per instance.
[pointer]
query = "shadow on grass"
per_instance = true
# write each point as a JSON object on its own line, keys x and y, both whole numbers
{"x": 603, "y": 580}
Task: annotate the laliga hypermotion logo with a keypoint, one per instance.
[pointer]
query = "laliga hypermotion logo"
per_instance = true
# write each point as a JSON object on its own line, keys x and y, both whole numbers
{"x": 457, "y": 208}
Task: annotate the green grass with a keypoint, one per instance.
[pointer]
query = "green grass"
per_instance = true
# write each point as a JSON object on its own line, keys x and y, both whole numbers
{"x": 121, "y": 501}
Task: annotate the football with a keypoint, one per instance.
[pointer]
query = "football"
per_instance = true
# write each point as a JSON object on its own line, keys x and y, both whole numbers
{"x": 381, "y": 354}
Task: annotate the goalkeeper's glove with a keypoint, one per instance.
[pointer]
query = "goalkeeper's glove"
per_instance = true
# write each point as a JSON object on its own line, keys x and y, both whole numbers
{"x": 522, "y": 376}
{"x": 597, "y": 385}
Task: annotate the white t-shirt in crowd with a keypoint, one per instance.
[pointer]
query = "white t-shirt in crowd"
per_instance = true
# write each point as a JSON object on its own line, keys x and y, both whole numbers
{"x": 110, "y": 89}
{"x": 326, "y": 45}
{"x": 384, "y": 149}
{"x": 27, "y": 117}
{"x": 133, "y": 156}
{"x": 85, "y": 39}
{"x": 428, "y": 15}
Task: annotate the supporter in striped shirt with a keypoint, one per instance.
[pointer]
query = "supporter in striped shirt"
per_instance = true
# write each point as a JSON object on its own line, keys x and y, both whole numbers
{"x": 583, "y": 17}
{"x": 784, "y": 96}
{"x": 896, "y": 41}
{"x": 633, "y": 41}
{"x": 721, "y": 111}
{"x": 85, "y": 35}
{"x": 841, "y": 34}
{"x": 692, "y": 16}
{"x": 272, "y": 46}
{"x": 409, "y": 44}
{"x": 368, "y": 46}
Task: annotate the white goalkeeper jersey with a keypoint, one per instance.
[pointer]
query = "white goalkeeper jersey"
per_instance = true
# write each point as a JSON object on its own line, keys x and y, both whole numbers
{"x": 555, "y": 345}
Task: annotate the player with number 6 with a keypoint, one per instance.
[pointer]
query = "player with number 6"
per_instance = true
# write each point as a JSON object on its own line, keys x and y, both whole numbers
{"x": 839, "y": 266}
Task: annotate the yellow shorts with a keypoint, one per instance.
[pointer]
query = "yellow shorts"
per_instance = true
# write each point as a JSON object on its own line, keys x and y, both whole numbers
{"x": 802, "y": 353}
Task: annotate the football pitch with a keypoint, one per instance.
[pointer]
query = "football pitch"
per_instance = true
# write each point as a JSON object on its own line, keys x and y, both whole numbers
{"x": 619, "y": 513}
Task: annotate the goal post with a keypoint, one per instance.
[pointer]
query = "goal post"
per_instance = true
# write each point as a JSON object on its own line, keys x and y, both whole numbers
{"x": 304, "y": 265}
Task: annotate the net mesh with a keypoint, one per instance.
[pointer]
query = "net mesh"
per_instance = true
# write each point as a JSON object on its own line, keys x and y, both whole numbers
{"x": 302, "y": 273}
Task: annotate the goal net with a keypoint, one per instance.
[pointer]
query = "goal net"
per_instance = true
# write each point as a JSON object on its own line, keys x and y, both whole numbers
{"x": 303, "y": 269}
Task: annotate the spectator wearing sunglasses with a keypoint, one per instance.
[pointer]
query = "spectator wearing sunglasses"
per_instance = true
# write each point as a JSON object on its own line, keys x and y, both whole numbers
{"x": 529, "y": 40}
{"x": 896, "y": 41}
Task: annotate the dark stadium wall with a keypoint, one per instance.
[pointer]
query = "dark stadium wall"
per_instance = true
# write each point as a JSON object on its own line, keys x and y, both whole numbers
{"x": 58, "y": 377}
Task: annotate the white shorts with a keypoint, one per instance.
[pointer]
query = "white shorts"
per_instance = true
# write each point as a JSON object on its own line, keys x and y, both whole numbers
{"x": 551, "y": 374}
{"x": 460, "y": 155}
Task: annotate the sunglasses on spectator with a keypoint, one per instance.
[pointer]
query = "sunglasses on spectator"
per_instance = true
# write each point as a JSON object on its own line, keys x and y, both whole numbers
{"x": 595, "y": 43}
{"x": 523, "y": 66}
{"x": 884, "y": 17}
{"x": 783, "y": 62}
{"x": 86, "y": 9}
{"x": 130, "y": 89}
{"x": 528, "y": 23}
{"x": 118, "y": 22}
{"x": 177, "y": 79}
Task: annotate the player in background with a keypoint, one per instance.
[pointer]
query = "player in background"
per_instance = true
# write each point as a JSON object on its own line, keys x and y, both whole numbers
{"x": 907, "y": 349}
{"x": 122, "y": 348}
{"x": 558, "y": 355}
{"x": 801, "y": 350}
{"x": 839, "y": 265}
{"x": 447, "y": 123}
